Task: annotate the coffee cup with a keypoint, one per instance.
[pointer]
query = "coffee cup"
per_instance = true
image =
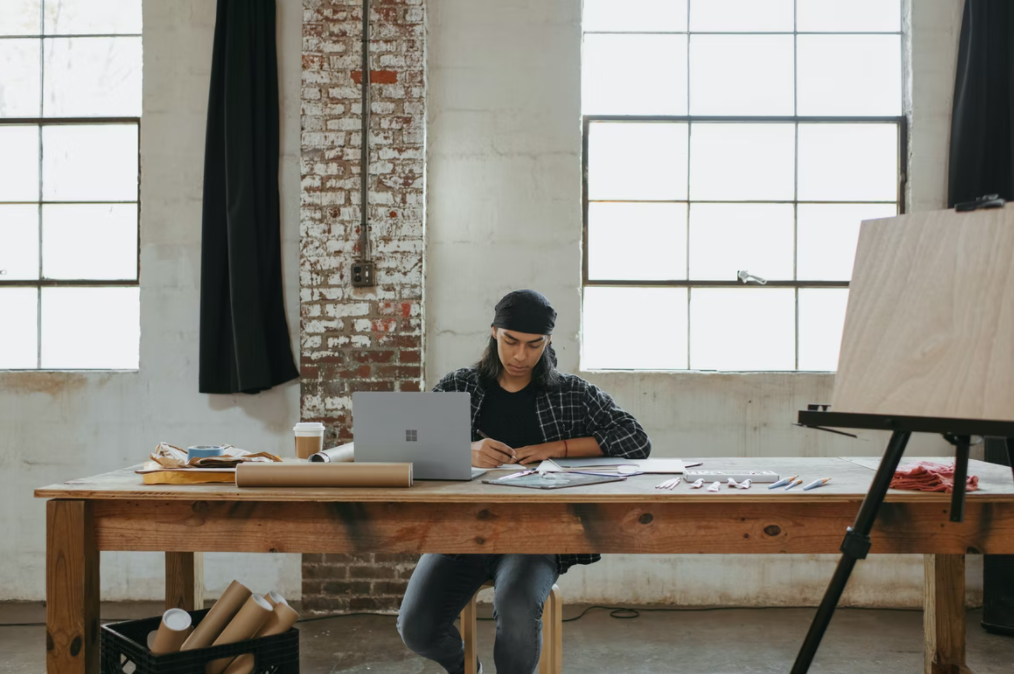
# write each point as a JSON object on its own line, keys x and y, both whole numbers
{"x": 309, "y": 438}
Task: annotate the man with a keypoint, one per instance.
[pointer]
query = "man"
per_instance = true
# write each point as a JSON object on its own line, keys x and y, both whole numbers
{"x": 523, "y": 411}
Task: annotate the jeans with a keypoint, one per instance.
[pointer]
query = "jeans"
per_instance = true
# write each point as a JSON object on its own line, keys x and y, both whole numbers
{"x": 442, "y": 586}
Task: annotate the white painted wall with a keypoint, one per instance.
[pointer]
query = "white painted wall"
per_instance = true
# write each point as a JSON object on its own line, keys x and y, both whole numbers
{"x": 504, "y": 212}
{"x": 59, "y": 426}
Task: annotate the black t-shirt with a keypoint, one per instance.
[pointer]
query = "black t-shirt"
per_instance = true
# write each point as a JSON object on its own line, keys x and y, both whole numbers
{"x": 510, "y": 417}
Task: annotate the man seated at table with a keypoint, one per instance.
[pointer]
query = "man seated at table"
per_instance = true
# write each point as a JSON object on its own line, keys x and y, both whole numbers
{"x": 523, "y": 411}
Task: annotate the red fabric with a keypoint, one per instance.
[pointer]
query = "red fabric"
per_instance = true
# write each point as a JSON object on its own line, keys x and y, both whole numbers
{"x": 928, "y": 476}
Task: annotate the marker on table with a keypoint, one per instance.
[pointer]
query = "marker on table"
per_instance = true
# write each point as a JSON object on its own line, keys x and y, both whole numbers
{"x": 783, "y": 481}
{"x": 794, "y": 483}
{"x": 817, "y": 483}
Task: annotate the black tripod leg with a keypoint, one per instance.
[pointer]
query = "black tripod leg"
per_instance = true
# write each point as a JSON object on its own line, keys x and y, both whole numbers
{"x": 1010, "y": 453}
{"x": 854, "y": 547}
{"x": 960, "y": 477}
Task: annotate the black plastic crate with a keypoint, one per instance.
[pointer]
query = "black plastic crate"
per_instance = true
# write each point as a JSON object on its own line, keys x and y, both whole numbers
{"x": 124, "y": 650}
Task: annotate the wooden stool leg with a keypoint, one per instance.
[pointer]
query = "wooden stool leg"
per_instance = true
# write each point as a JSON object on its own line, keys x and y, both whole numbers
{"x": 546, "y": 656}
{"x": 556, "y": 665}
{"x": 468, "y": 635}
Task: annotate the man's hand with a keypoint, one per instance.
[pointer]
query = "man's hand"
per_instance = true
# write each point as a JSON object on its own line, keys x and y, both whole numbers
{"x": 488, "y": 453}
{"x": 535, "y": 453}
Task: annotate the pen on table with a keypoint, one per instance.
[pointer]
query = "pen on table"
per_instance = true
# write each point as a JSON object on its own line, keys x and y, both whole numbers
{"x": 784, "y": 481}
{"x": 817, "y": 483}
{"x": 794, "y": 483}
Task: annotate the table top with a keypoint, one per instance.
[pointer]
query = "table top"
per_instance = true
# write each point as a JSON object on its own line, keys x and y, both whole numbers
{"x": 850, "y": 480}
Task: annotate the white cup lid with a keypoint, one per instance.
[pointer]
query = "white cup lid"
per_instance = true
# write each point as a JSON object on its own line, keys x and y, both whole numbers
{"x": 308, "y": 426}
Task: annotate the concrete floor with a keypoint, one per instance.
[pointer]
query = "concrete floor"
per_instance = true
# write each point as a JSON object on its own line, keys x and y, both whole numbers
{"x": 739, "y": 641}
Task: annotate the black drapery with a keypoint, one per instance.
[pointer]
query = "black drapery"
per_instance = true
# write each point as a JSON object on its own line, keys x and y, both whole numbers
{"x": 982, "y": 125}
{"x": 244, "y": 336}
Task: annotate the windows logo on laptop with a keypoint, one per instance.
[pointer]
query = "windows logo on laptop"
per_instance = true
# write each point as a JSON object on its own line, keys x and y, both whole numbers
{"x": 411, "y": 436}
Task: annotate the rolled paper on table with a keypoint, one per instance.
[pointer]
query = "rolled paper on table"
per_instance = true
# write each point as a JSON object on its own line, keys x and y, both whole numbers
{"x": 224, "y": 610}
{"x": 717, "y": 486}
{"x": 698, "y": 484}
{"x": 281, "y": 620}
{"x": 248, "y": 622}
{"x": 324, "y": 475}
{"x": 274, "y": 598}
{"x": 172, "y": 632}
{"x": 343, "y": 454}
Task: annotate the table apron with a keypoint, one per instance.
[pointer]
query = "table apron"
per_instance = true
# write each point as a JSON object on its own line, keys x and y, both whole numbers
{"x": 541, "y": 528}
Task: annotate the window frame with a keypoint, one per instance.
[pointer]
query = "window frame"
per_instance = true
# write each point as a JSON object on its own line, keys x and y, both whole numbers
{"x": 41, "y": 122}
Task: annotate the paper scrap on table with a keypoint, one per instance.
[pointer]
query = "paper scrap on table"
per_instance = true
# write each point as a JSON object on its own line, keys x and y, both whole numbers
{"x": 168, "y": 456}
{"x": 745, "y": 484}
{"x": 698, "y": 484}
{"x": 715, "y": 487}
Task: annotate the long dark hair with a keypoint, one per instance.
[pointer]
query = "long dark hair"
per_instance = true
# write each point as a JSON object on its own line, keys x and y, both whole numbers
{"x": 544, "y": 374}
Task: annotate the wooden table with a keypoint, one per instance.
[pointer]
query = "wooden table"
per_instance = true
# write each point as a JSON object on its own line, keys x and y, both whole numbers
{"x": 116, "y": 512}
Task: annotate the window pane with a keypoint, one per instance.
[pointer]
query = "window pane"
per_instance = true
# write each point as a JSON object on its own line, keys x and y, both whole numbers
{"x": 19, "y": 77}
{"x": 635, "y": 329}
{"x": 848, "y": 162}
{"x": 21, "y": 17}
{"x": 617, "y": 80}
{"x": 741, "y": 15}
{"x": 90, "y": 163}
{"x": 93, "y": 77}
{"x": 741, "y": 75}
{"x": 19, "y": 244}
{"x": 90, "y": 328}
{"x": 19, "y": 334}
{"x": 637, "y": 241}
{"x": 89, "y": 241}
{"x": 827, "y": 235}
{"x": 848, "y": 15}
{"x": 635, "y": 15}
{"x": 849, "y": 75}
{"x": 821, "y": 319}
{"x": 725, "y": 238}
{"x": 742, "y": 329}
{"x": 742, "y": 162}
{"x": 81, "y": 17}
{"x": 19, "y": 163}
{"x": 628, "y": 161}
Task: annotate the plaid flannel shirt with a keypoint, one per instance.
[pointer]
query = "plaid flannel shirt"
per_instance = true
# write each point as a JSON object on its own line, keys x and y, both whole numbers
{"x": 573, "y": 409}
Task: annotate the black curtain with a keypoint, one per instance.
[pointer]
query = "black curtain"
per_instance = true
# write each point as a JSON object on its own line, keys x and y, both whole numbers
{"x": 244, "y": 336}
{"x": 982, "y": 125}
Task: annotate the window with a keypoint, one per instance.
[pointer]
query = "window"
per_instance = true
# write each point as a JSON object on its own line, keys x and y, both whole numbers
{"x": 729, "y": 136}
{"x": 70, "y": 106}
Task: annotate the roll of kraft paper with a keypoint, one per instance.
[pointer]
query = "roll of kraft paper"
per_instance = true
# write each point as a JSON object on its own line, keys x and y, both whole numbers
{"x": 172, "y": 632}
{"x": 324, "y": 475}
{"x": 343, "y": 454}
{"x": 248, "y": 622}
{"x": 224, "y": 610}
{"x": 274, "y": 598}
{"x": 282, "y": 619}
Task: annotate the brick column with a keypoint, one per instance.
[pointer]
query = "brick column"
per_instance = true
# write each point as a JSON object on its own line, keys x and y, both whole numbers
{"x": 360, "y": 339}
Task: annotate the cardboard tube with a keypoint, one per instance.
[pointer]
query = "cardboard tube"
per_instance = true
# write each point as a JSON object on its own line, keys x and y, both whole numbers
{"x": 343, "y": 454}
{"x": 274, "y": 599}
{"x": 224, "y": 610}
{"x": 282, "y": 619}
{"x": 324, "y": 475}
{"x": 245, "y": 625}
{"x": 172, "y": 632}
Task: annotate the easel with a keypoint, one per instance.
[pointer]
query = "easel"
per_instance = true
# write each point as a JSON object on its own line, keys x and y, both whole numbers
{"x": 935, "y": 268}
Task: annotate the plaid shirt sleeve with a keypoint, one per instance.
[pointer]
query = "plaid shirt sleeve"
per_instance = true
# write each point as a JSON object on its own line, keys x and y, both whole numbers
{"x": 617, "y": 432}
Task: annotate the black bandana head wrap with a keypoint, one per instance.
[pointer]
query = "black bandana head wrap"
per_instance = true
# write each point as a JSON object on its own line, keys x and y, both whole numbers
{"x": 525, "y": 311}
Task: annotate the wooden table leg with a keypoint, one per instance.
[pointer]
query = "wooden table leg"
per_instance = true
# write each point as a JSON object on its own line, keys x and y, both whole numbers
{"x": 944, "y": 614}
{"x": 72, "y": 589}
{"x": 184, "y": 580}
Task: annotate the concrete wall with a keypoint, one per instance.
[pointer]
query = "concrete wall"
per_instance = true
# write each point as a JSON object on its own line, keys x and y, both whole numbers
{"x": 504, "y": 212}
{"x": 58, "y": 426}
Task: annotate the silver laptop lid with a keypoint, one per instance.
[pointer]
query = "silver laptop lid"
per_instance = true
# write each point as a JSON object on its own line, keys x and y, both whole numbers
{"x": 433, "y": 431}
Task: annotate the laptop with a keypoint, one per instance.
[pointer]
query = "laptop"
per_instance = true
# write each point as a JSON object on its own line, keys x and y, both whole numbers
{"x": 432, "y": 431}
